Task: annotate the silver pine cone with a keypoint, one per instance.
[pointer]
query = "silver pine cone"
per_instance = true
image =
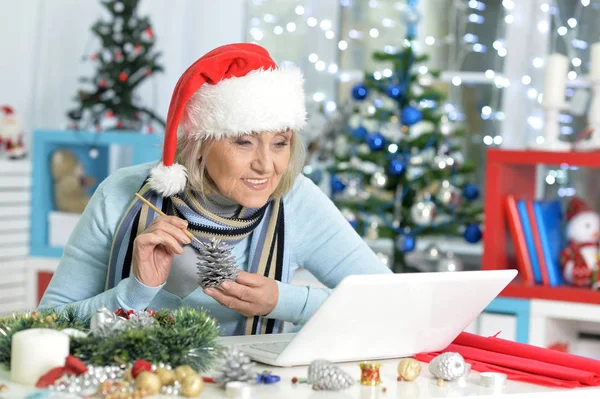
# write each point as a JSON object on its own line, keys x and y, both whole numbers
{"x": 215, "y": 264}
{"x": 324, "y": 376}
{"x": 448, "y": 366}
{"x": 234, "y": 366}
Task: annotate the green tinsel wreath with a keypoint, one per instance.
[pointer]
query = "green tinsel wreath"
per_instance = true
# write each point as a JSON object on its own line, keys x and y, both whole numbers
{"x": 182, "y": 336}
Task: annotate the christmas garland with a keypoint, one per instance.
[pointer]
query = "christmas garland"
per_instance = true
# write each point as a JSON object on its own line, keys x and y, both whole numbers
{"x": 181, "y": 337}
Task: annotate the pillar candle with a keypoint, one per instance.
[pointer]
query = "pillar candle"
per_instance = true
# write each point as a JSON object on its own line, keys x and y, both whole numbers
{"x": 36, "y": 351}
{"x": 555, "y": 79}
{"x": 595, "y": 61}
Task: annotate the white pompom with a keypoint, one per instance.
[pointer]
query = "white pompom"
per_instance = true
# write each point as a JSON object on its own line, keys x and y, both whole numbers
{"x": 168, "y": 180}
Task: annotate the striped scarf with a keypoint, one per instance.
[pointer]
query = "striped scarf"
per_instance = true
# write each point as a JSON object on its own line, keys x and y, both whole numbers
{"x": 268, "y": 250}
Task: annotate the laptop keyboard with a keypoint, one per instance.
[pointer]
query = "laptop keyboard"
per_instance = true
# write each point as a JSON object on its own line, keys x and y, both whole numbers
{"x": 271, "y": 347}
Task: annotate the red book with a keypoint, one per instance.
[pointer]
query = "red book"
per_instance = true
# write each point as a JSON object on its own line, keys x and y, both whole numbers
{"x": 518, "y": 238}
{"x": 538, "y": 243}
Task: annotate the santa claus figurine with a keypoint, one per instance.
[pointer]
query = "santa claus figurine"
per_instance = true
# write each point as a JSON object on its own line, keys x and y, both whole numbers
{"x": 579, "y": 260}
{"x": 11, "y": 134}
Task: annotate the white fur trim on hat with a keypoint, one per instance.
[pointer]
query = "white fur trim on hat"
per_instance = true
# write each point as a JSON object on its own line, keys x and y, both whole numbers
{"x": 168, "y": 180}
{"x": 262, "y": 100}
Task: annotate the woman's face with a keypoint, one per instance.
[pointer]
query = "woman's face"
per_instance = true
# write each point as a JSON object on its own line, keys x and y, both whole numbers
{"x": 247, "y": 169}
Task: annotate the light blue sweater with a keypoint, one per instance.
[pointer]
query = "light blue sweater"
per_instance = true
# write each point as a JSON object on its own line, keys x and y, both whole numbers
{"x": 322, "y": 241}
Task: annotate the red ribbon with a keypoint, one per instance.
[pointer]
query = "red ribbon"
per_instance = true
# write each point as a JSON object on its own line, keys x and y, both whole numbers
{"x": 72, "y": 366}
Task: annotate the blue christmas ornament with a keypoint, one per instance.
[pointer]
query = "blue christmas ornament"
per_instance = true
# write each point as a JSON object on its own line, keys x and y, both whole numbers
{"x": 337, "y": 185}
{"x": 359, "y": 92}
{"x": 405, "y": 243}
{"x": 360, "y": 133}
{"x": 471, "y": 191}
{"x": 394, "y": 91}
{"x": 411, "y": 115}
{"x": 472, "y": 233}
{"x": 396, "y": 167}
{"x": 375, "y": 141}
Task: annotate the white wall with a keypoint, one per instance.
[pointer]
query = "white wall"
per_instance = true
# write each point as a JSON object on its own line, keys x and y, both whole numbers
{"x": 42, "y": 44}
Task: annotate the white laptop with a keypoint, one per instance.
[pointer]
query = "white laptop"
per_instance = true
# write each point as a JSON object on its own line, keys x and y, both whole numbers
{"x": 370, "y": 317}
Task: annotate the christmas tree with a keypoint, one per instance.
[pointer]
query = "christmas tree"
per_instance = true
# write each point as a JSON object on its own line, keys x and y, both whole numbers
{"x": 399, "y": 172}
{"x": 124, "y": 61}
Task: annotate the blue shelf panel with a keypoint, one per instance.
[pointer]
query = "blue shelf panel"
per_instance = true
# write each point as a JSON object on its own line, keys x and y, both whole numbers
{"x": 520, "y": 308}
{"x": 144, "y": 148}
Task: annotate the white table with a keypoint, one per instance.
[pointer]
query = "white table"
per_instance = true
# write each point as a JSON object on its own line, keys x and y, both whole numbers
{"x": 424, "y": 387}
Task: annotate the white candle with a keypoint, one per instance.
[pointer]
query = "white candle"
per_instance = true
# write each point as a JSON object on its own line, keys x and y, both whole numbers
{"x": 555, "y": 79}
{"x": 595, "y": 61}
{"x": 36, "y": 351}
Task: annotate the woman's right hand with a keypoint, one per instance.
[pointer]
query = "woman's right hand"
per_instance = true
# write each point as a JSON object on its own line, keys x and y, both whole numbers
{"x": 154, "y": 249}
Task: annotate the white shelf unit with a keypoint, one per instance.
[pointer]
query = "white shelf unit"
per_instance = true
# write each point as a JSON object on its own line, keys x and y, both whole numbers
{"x": 15, "y": 197}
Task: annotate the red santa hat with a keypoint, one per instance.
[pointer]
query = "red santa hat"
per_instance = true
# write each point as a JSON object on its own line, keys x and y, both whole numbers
{"x": 575, "y": 207}
{"x": 233, "y": 90}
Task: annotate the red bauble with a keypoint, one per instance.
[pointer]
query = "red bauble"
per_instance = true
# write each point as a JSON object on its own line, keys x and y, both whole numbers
{"x": 139, "y": 366}
{"x": 149, "y": 32}
{"x": 94, "y": 57}
{"x": 109, "y": 114}
{"x": 103, "y": 83}
{"x": 123, "y": 76}
{"x": 137, "y": 48}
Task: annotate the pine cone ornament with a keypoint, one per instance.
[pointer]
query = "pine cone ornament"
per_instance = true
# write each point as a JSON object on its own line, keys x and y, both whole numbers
{"x": 324, "y": 376}
{"x": 215, "y": 264}
{"x": 448, "y": 366}
{"x": 234, "y": 366}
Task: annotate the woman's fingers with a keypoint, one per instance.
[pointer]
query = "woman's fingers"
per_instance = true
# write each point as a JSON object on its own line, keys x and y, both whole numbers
{"x": 160, "y": 237}
{"x": 172, "y": 230}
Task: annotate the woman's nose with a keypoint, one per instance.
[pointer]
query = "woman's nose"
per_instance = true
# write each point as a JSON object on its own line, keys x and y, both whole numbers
{"x": 263, "y": 162}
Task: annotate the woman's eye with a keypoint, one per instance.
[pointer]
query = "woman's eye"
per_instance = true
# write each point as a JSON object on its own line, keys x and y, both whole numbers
{"x": 282, "y": 144}
{"x": 243, "y": 142}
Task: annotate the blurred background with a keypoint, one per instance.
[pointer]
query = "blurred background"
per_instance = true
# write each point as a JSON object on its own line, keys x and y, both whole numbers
{"x": 406, "y": 100}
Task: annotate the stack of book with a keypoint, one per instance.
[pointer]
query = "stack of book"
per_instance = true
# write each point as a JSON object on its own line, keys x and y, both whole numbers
{"x": 536, "y": 228}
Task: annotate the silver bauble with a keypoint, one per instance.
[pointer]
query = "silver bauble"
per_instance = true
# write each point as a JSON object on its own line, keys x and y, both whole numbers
{"x": 448, "y": 366}
{"x": 440, "y": 162}
{"x": 423, "y": 212}
{"x": 446, "y": 127}
{"x": 449, "y": 263}
{"x": 379, "y": 180}
{"x": 426, "y": 80}
{"x": 448, "y": 194}
{"x": 432, "y": 253}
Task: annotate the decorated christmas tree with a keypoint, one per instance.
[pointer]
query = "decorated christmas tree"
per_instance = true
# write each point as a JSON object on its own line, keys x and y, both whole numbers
{"x": 399, "y": 172}
{"x": 123, "y": 62}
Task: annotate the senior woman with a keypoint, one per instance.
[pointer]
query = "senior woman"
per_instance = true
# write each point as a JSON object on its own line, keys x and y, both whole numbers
{"x": 232, "y": 173}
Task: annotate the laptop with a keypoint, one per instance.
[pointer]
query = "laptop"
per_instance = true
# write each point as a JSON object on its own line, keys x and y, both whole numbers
{"x": 381, "y": 317}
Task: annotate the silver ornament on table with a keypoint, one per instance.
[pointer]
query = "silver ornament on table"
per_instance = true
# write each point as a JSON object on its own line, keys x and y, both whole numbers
{"x": 234, "y": 366}
{"x": 379, "y": 180}
{"x": 105, "y": 323}
{"x": 216, "y": 264}
{"x": 448, "y": 366}
{"x": 423, "y": 212}
{"x": 449, "y": 263}
{"x": 141, "y": 319}
{"x": 325, "y": 376}
{"x": 88, "y": 383}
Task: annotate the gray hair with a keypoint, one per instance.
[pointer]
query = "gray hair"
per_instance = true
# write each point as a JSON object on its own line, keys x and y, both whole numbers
{"x": 188, "y": 153}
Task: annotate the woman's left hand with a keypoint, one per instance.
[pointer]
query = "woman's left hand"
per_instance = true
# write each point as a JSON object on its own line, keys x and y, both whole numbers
{"x": 251, "y": 294}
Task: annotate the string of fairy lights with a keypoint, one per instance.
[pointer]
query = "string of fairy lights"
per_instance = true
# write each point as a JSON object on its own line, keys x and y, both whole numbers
{"x": 467, "y": 16}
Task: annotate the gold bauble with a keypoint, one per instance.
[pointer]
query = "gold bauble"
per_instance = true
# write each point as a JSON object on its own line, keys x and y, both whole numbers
{"x": 409, "y": 369}
{"x": 191, "y": 386}
{"x": 183, "y": 371}
{"x": 167, "y": 377}
{"x": 148, "y": 382}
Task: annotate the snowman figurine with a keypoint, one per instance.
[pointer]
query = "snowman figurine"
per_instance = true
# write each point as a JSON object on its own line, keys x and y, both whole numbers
{"x": 579, "y": 260}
